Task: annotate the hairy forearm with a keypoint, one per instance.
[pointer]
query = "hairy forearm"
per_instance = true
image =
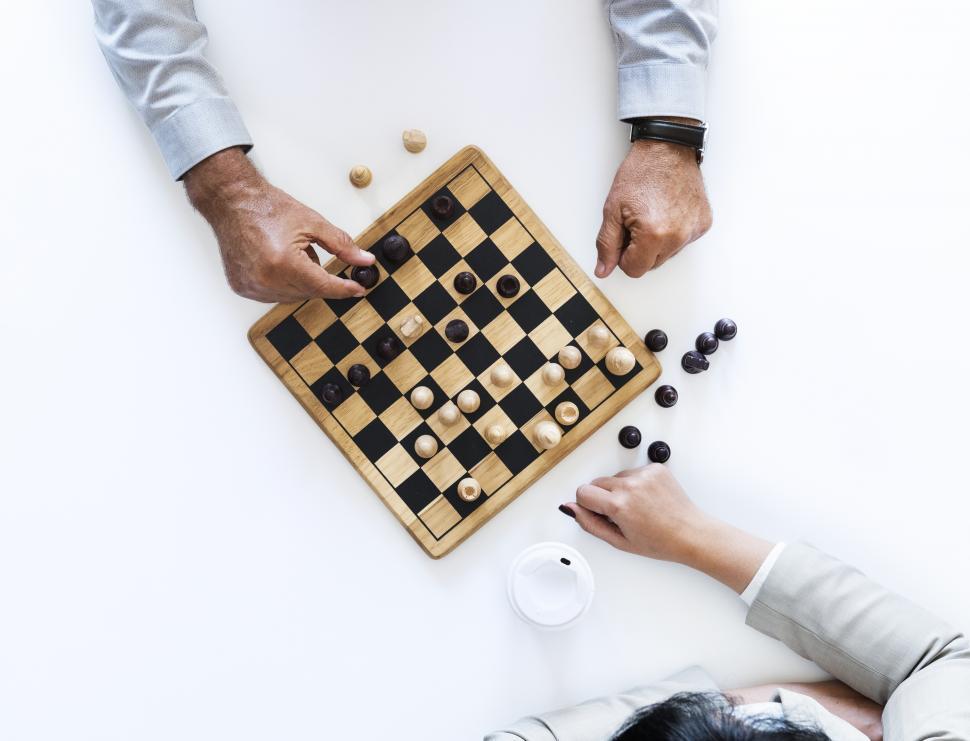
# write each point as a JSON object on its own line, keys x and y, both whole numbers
{"x": 224, "y": 178}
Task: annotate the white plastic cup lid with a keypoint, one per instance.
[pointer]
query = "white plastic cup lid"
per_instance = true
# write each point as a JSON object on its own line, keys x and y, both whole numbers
{"x": 550, "y": 585}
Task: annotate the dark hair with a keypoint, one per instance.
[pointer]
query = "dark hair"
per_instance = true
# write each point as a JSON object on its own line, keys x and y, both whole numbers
{"x": 708, "y": 716}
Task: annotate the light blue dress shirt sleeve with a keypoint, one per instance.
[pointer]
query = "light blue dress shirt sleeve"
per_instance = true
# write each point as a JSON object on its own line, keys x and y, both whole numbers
{"x": 662, "y": 52}
{"x": 155, "y": 49}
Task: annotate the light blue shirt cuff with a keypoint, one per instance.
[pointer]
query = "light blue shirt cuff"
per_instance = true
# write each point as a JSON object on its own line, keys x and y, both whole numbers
{"x": 199, "y": 130}
{"x": 662, "y": 89}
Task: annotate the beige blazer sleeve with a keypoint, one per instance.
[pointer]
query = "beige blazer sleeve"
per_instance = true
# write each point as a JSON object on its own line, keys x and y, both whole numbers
{"x": 878, "y": 643}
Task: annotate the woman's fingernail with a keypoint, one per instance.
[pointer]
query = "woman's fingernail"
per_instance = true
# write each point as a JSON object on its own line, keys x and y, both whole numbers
{"x": 566, "y": 511}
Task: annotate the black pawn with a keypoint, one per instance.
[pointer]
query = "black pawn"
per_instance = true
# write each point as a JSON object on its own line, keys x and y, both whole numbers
{"x": 456, "y": 330}
{"x": 465, "y": 282}
{"x": 659, "y": 452}
{"x": 694, "y": 362}
{"x": 666, "y": 396}
{"x": 443, "y": 206}
{"x": 395, "y": 248}
{"x": 507, "y": 285}
{"x": 726, "y": 329}
{"x": 389, "y": 348}
{"x": 366, "y": 275}
{"x": 331, "y": 395}
{"x": 656, "y": 340}
{"x": 706, "y": 343}
{"x": 358, "y": 374}
{"x": 629, "y": 437}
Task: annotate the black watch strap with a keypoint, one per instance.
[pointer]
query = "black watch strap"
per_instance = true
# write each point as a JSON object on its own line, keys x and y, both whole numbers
{"x": 667, "y": 131}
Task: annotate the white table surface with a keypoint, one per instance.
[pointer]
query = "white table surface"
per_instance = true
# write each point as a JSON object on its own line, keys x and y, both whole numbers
{"x": 183, "y": 554}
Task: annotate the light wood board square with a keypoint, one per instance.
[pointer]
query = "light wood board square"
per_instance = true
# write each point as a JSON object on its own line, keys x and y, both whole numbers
{"x": 593, "y": 387}
{"x": 498, "y": 392}
{"x": 448, "y": 280}
{"x": 542, "y": 390}
{"x": 554, "y": 289}
{"x": 503, "y": 332}
{"x": 550, "y": 336}
{"x": 444, "y": 469}
{"x": 452, "y": 375}
{"x": 456, "y": 313}
{"x": 511, "y": 238}
{"x": 494, "y": 416}
{"x": 492, "y": 284}
{"x": 469, "y": 187}
{"x": 417, "y": 229}
{"x": 402, "y": 316}
{"x": 405, "y": 371}
{"x": 413, "y": 277}
{"x": 528, "y": 429}
{"x": 311, "y": 363}
{"x": 354, "y": 414}
{"x": 491, "y": 473}
{"x": 447, "y": 433}
{"x": 596, "y": 354}
{"x": 439, "y": 516}
{"x": 358, "y": 355}
{"x": 315, "y": 316}
{"x": 465, "y": 234}
{"x": 400, "y": 418}
{"x": 362, "y": 320}
{"x": 396, "y": 464}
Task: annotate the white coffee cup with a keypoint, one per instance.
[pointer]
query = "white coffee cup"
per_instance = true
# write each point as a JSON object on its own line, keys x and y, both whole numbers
{"x": 550, "y": 585}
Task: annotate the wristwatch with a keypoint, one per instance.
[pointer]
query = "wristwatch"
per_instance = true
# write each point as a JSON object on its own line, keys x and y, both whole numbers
{"x": 667, "y": 131}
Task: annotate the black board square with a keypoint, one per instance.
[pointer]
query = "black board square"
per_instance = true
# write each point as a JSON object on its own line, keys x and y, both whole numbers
{"x": 568, "y": 395}
{"x": 341, "y": 306}
{"x": 288, "y": 337}
{"x": 431, "y": 350}
{"x": 576, "y": 315}
{"x": 375, "y": 440}
{"x": 335, "y": 377}
{"x": 387, "y": 298}
{"x": 524, "y": 357}
{"x": 336, "y": 341}
{"x": 490, "y": 212}
{"x": 529, "y": 311}
{"x": 370, "y": 344}
{"x": 443, "y": 224}
{"x": 486, "y": 400}
{"x": 520, "y": 405}
{"x": 438, "y": 256}
{"x": 379, "y": 392}
{"x": 618, "y": 381}
{"x": 417, "y": 491}
{"x": 378, "y": 250}
{"x": 486, "y": 260}
{"x": 533, "y": 263}
{"x": 469, "y": 448}
{"x": 477, "y": 353}
{"x": 434, "y": 302}
{"x": 461, "y": 506}
{"x": 407, "y": 442}
{"x": 440, "y": 397}
{"x": 585, "y": 363}
{"x": 516, "y": 452}
{"x": 481, "y": 307}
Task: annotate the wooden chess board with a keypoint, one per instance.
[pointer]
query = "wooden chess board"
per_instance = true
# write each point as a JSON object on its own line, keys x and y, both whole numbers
{"x": 492, "y": 232}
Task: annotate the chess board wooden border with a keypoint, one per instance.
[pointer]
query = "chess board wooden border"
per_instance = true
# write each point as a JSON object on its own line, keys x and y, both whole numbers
{"x": 436, "y": 548}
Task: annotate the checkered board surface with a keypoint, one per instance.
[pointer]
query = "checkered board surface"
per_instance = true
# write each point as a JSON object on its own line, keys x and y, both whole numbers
{"x": 492, "y": 232}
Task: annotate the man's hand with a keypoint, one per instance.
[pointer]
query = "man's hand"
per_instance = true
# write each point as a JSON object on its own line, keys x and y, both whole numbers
{"x": 645, "y": 511}
{"x": 656, "y": 206}
{"x": 265, "y": 235}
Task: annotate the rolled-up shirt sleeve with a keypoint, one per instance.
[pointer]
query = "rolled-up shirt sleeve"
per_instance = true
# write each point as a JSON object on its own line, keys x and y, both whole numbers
{"x": 662, "y": 53}
{"x": 155, "y": 49}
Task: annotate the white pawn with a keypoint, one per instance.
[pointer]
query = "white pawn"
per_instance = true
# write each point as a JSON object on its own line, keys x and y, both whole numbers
{"x": 495, "y": 434}
{"x": 426, "y": 446}
{"x": 570, "y": 357}
{"x": 553, "y": 374}
{"x": 620, "y": 361}
{"x": 448, "y": 414}
{"x": 547, "y": 434}
{"x": 598, "y": 335}
{"x": 502, "y": 375}
{"x": 421, "y": 397}
{"x": 469, "y": 489}
{"x": 468, "y": 401}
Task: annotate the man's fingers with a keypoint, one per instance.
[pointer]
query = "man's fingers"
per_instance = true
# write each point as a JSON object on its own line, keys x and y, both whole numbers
{"x": 599, "y": 526}
{"x": 638, "y": 258}
{"x": 595, "y": 498}
{"x": 315, "y": 282}
{"x": 312, "y": 254}
{"x": 338, "y": 243}
{"x": 609, "y": 241}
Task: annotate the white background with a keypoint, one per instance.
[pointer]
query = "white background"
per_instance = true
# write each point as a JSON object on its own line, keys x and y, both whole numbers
{"x": 183, "y": 554}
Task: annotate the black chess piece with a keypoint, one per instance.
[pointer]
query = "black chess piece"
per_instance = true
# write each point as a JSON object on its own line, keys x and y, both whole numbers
{"x": 666, "y": 396}
{"x": 465, "y": 282}
{"x": 395, "y": 248}
{"x": 443, "y": 206}
{"x": 706, "y": 343}
{"x": 366, "y": 275}
{"x": 389, "y": 348}
{"x": 726, "y": 329}
{"x": 507, "y": 286}
{"x": 331, "y": 395}
{"x": 456, "y": 330}
{"x": 694, "y": 362}
{"x": 659, "y": 452}
{"x": 656, "y": 340}
{"x": 358, "y": 374}
{"x": 629, "y": 437}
